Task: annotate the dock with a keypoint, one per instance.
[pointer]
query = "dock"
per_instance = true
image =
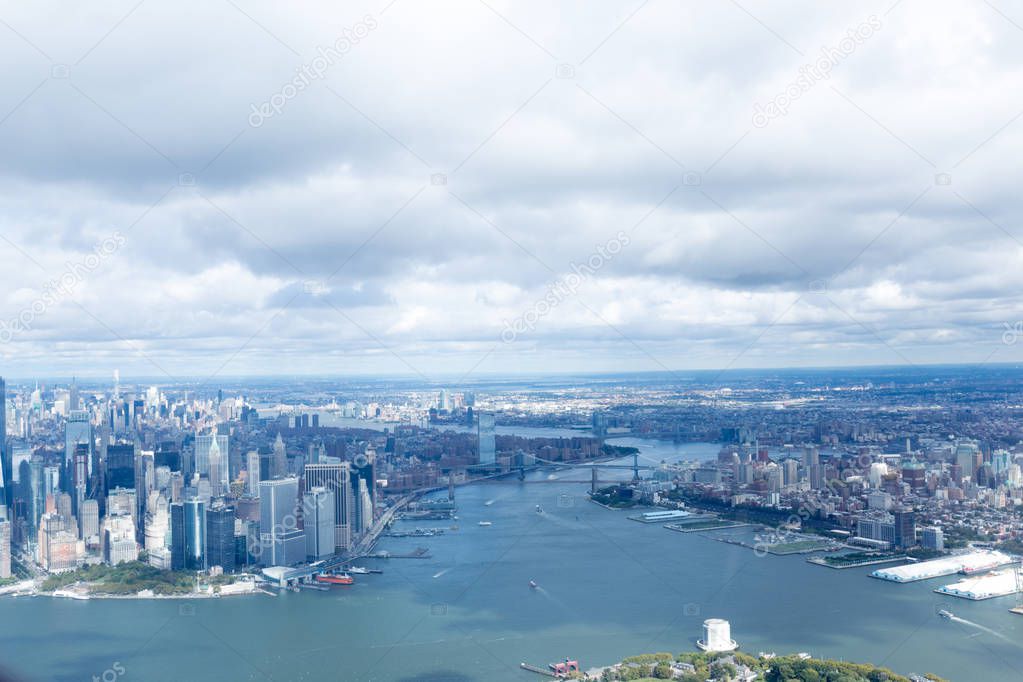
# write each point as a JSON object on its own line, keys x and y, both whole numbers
{"x": 537, "y": 669}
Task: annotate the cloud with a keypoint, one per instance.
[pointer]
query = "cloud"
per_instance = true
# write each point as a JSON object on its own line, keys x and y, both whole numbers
{"x": 459, "y": 158}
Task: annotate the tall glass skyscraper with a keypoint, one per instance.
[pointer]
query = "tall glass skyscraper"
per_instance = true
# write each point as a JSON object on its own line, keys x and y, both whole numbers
{"x": 336, "y": 478}
{"x": 486, "y": 438}
{"x": 6, "y": 456}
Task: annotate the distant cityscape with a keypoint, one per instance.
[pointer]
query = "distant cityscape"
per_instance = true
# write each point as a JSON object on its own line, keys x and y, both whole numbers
{"x": 224, "y": 483}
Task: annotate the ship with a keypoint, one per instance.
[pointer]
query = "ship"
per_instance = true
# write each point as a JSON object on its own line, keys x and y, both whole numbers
{"x": 532, "y": 584}
{"x": 486, "y": 523}
{"x": 343, "y": 579}
{"x": 358, "y": 570}
{"x": 987, "y": 566}
{"x": 947, "y": 615}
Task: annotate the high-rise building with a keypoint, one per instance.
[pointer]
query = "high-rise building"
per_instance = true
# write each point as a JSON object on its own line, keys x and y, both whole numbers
{"x": 281, "y": 541}
{"x": 119, "y": 539}
{"x": 194, "y": 528}
{"x": 905, "y": 528}
{"x": 318, "y": 519}
{"x": 790, "y": 471}
{"x": 486, "y": 438}
{"x": 89, "y": 521}
{"x": 220, "y": 546}
{"x": 252, "y": 473}
{"x": 217, "y": 469}
{"x": 5, "y": 549}
{"x": 280, "y": 458}
{"x": 933, "y": 538}
{"x": 363, "y": 493}
{"x": 335, "y": 476}
{"x": 203, "y": 445}
{"x": 177, "y": 519}
{"x": 78, "y": 430}
{"x": 6, "y": 456}
{"x": 119, "y": 467}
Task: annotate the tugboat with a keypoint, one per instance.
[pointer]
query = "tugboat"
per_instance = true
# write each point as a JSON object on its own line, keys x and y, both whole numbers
{"x": 486, "y": 523}
{"x": 539, "y": 509}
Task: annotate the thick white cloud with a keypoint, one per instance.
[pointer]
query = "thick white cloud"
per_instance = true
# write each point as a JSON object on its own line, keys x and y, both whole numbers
{"x": 460, "y": 159}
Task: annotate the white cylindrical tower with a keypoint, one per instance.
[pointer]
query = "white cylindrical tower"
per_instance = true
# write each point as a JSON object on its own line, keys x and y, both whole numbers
{"x": 717, "y": 636}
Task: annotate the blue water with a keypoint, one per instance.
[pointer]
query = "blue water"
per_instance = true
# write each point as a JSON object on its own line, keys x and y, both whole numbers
{"x": 608, "y": 588}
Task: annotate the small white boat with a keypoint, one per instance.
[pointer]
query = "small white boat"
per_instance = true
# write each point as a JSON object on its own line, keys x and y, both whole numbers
{"x": 947, "y": 615}
{"x": 358, "y": 570}
{"x": 486, "y": 523}
{"x": 532, "y": 584}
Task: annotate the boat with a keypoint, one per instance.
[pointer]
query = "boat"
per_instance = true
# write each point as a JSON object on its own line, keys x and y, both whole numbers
{"x": 532, "y": 584}
{"x": 486, "y": 523}
{"x": 987, "y": 566}
{"x": 947, "y": 615}
{"x": 358, "y": 570}
{"x": 343, "y": 579}
{"x": 539, "y": 509}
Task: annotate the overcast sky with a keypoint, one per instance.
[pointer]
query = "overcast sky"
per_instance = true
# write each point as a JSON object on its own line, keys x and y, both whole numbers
{"x": 411, "y": 187}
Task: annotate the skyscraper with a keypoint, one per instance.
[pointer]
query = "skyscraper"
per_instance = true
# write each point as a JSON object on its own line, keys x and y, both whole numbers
{"x": 486, "y": 438}
{"x": 217, "y": 468}
{"x": 220, "y": 549}
{"x": 252, "y": 473}
{"x": 280, "y": 458}
{"x": 6, "y": 456}
{"x": 5, "y": 549}
{"x": 203, "y": 445}
{"x": 78, "y": 430}
{"x": 281, "y": 541}
{"x": 335, "y": 477}
{"x": 363, "y": 493}
{"x": 177, "y": 514}
{"x": 194, "y": 535}
{"x": 119, "y": 467}
{"x": 318, "y": 517}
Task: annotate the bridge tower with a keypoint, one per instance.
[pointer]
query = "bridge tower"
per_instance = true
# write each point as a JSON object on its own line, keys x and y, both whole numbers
{"x": 635, "y": 466}
{"x": 451, "y": 485}
{"x": 593, "y": 479}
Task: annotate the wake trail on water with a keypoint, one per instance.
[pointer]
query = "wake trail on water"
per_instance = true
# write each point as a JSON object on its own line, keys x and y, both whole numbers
{"x": 440, "y": 573}
{"x": 983, "y": 628}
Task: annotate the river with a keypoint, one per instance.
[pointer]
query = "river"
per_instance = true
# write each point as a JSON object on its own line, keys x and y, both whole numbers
{"x": 608, "y": 587}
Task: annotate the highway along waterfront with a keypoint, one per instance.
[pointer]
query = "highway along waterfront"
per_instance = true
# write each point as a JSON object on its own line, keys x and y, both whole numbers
{"x": 605, "y": 588}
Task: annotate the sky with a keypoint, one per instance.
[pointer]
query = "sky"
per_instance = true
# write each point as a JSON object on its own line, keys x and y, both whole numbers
{"x": 235, "y": 187}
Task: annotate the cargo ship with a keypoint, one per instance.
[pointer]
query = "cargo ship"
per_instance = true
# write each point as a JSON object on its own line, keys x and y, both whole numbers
{"x": 335, "y": 579}
{"x": 980, "y": 568}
